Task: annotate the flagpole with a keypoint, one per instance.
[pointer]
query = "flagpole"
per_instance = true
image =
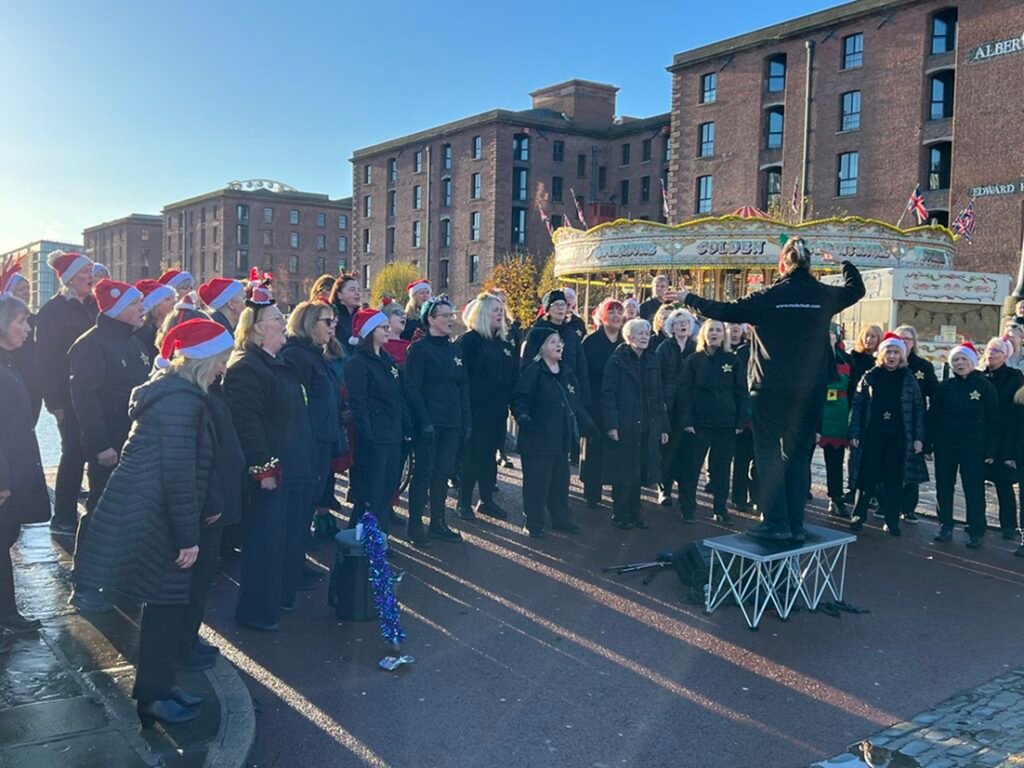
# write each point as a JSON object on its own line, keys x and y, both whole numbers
{"x": 899, "y": 221}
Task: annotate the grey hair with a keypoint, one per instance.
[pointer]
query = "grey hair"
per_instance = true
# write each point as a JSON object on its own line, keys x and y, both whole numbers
{"x": 676, "y": 316}
{"x": 11, "y": 309}
{"x": 636, "y": 325}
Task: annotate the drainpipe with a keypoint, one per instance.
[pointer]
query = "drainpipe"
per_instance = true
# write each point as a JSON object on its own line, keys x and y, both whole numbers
{"x": 426, "y": 235}
{"x": 807, "y": 127}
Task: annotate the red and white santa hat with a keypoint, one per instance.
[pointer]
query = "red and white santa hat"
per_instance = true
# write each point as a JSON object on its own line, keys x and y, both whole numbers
{"x": 891, "y": 339}
{"x": 365, "y": 322}
{"x": 967, "y": 350}
{"x": 68, "y": 264}
{"x": 99, "y": 271}
{"x": 419, "y": 285}
{"x": 113, "y": 296}
{"x": 10, "y": 283}
{"x": 219, "y": 291}
{"x": 186, "y": 303}
{"x": 175, "y": 278}
{"x": 194, "y": 339}
{"x": 260, "y": 297}
{"x": 153, "y": 293}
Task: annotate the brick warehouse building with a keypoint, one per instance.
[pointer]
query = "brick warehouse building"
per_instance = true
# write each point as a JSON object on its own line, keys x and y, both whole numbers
{"x": 458, "y": 198}
{"x": 902, "y": 92}
{"x": 129, "y": 247}
{"x": 296, "y": 235}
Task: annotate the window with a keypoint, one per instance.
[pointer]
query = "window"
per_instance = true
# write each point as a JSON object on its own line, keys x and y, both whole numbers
{"x": 443, "y": 273}
{"x": 853, "y": 51}
{"x": 446, "y": 233}
{"x": 321, "y": 219}
{"x": 645, "y": 189}
{"x": 944, "y": 26}
{"x": 706, "y": 147}
{"x": 343, "y": 221}
{"x": 242, "y": 212}
{"x": 474, "y": 268}
{"x": 776, "y": 73}
{"x": 321, "y": 242}
{"x": 940, "y": 158}
{"x": 704, "y": 191}
{"x": 668, "y": 149}
{"x": 389, "y": 241}
{"x": 602, "y": 177}
{"x": 293, "y": 264}
{"x": 144, "y": 233}
{"x": 416, "y": 240}
{"x": 774, "y": 127}
{"x": 293, "y": 216}
{"x": 518, "y": 226}
{"x": 477, "y": 148}
{"x": 625, "y": 154}
{"x": 392, "y": 203}
{"x": 939, "y": 217}
{"x": 446, "y": 193}
{"x": 519, "y": 184}
{"x": 242, "y": 235}
{"x": 392, "y": 170}
{"x": 417, "y": 197}
{"x": 342, "y": 245}
{"x": 556, "y": 189}
{"x": 474, "y": 225}
{"x": 941, "y": 106}
{"x": 367, "y": 240}
{"x": 446, "y": 157}
{"x": 214, "y": 233}
{"x": 342, "y": 265}
{"x": 293, "y": 239}
{"x": 848, "y": 170}
{"x": 367, "y": 174}
{"x": 849, "y": 116}
{"x": 241, "y": 261}
{"x": 521, "y": 147}
{"x": 557, "y": 220}
{"x": 708, "y": 88}
{"x": 772, "y": 189}
{"x": 581, "y": 166}
{"x": 216, "y": 212}
{"x": 474, "y": 186}
{"x": 645, "y": 150}
{"x": 366, "y": 277}
{"x": 367, "y": 206}
{"x": 268, "y": 215}
{"x": 624, "y": 192}
{"x": 417, "y": 161}
{"x": 558, "y": 151}
{"x": 268, "y": 236}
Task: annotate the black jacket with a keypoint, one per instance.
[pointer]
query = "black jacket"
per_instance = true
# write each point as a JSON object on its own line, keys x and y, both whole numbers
{"x": 343, "y": 330}
{"x": 58, "y": 325}
{"x": 650, "y": 307}
{"x": 322, "y": 394}
{"x": 147, "y": 335}
{"x": 597, "y": 348}
{"x": 712, "y": 391}
{"x": 924, "y": 374}
{"x": 578, "y": 326}
{"x": 860, "y": 363}
{"x": 1007, "y": 381}
{"x": 153, "y": 503}
{"x": 224, "y": 497}
{"x": 492, "y": 369}
{"x": 631, "y": 388}
{"x": 412, "y": 324}
{"x": 789, "y": 336}
{"x": 24, "y": 358}
{"x": 377, "y": 399}
{"x": 269, "y": 411}
{"x": 549, "y": 412}
{"x": 21, "y": 469}
{"x": 671, "y": 361}
{"x": 573, "y": 356}
{"x": 965, "y": 415}
{"x": 107, "y": 363}
{"x": 436, "y": 385}
{"x": 219, "y": 317}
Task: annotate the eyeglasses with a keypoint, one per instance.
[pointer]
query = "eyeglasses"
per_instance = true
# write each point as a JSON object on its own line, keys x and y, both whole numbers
{"x": 330, "y": 322}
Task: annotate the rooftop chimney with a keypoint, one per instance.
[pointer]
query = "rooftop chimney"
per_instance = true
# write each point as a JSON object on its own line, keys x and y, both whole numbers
{"x": 588, "y": 104}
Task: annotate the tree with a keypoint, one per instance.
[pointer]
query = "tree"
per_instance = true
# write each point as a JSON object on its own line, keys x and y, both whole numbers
{"x": 548, "y": 281}
{"x": 391, "y": 281}
{"x": 517, "y": 276}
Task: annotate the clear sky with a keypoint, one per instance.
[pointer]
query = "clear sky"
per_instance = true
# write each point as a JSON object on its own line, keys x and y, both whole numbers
{"x": 117, "y": 107}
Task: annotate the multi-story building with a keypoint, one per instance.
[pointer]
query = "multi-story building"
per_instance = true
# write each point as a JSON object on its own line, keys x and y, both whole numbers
{"x": 296, "y": 235}
{"x": 35, "y": 267}
{"x": 128, "y": 247}
{"x": 458, "y": 198}
{"x": 856, "y": 105}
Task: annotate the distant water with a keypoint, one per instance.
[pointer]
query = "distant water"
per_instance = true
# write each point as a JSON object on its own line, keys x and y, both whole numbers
{"x": 49, "y": 439}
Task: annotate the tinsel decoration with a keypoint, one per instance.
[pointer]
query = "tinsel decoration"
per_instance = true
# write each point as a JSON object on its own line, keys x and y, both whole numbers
{"x": 380, "y": 578}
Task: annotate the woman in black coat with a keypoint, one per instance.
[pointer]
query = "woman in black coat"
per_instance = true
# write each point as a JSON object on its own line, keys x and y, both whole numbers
{"x": 269, "y": 411}
{"x": 25, "y": 356}
{"x": 547, "y": 408}
{"x": 145, "y": 535}
{"x": 598, "y": 347}
{"x": 887, "y": 432}
{"x": 491, "y": 361}
{"x": 346, "y": 298}
{"x": 672, "y": 353}
{"x": 924, "y": 373}
{"x": 556, "y": 316}
{"x": 635, "y": 422}
{"x": 1003, "y": 471}
{"x": 23, "y": 494}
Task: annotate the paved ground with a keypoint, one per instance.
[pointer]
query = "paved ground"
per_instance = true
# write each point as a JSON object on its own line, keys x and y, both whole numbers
{"x": 527, "y": 655}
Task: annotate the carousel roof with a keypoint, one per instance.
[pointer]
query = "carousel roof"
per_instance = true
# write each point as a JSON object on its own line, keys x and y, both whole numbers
{"x": 750, "y": 212}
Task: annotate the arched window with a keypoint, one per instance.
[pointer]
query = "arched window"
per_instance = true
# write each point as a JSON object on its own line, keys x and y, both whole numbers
{"x": 944, "y": 24}
{"x": 774, "y": 124}
{"x": 771, "y": 189}
{"x": 776, "y": 73}
{"x": 941, "y": 100}
{"x": 940, "y": 160}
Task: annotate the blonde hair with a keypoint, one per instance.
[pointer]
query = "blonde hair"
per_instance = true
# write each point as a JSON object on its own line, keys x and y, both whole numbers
{"x": 880, "y": 356}
{"x": 995, "y": 341}
{"x": 702, "y": 336}
{"x": 661, "y": 318}
{"x": 795, "y": 255}
{"x": 303, "y": 319}
{"x": 913, "y": 332}
{"x": 320, "y": 285}
{"x": 245, "y": 331}
{"x": 858, "y": 345}
{"x": 200, "y": 371}
{"x": 479, "y": 317}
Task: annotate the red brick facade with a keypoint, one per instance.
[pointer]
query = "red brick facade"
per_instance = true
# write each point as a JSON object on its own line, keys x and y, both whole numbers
{"x": 130, "y": 247}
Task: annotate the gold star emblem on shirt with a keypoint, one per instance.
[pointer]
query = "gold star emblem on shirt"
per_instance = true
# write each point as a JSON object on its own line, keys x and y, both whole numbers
{"x": 727, "y": 368}
{"x": 886, "y": 416}
{"x": 919, "y": 375}
{"x": 145, "y": 359}
{"x": 975, "y": 395}
{"x": 394, "y": 371}
{"x": 458, "y": 361}
{"x": 571, "y": 388}
{"x": 508, "y": 352}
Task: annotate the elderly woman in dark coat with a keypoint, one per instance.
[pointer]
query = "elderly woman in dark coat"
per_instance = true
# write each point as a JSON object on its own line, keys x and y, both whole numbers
{"x": 145, "y": 533}
{"x": 23, "y": 495}
{"x": 635, "y": 422}
{"x": 678, "y": 345}
{"x": 598, "y": 347}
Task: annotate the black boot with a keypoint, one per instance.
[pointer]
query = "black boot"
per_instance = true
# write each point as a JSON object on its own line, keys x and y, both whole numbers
{"x": 417, "y": 535}
{"x": 17, "y": 624}
{"x": 722, "y": 516}
{"x": 945, "y": 534}
{"x": 465, "y": 512}
{"x": 166, "y": 711}
{"x": 491, "y": 509}
{"x": 440, "y": 530}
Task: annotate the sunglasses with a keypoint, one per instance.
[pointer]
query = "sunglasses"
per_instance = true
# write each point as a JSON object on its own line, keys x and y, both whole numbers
{"x": 330, "y": 322}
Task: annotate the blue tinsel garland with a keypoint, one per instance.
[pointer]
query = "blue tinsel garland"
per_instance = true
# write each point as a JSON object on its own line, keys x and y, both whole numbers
{"x": 380, "y": 577}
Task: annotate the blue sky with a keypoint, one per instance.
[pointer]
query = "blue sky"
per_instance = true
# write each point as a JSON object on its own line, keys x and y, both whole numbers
{"x": 117, "y": 107}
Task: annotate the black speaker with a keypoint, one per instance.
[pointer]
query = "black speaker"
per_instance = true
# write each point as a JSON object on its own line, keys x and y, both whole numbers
{"x": 692, "y": 563}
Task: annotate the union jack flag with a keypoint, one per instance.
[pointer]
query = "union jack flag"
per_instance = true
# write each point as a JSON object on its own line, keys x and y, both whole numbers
{"x": 963, "y": 224}
{"x": 916, "y": 204}
{"x": 579, "y": 208}
{"x": 547, "y": 221}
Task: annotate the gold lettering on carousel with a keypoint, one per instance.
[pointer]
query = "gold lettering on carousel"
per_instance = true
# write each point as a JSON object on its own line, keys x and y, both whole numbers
{"x": 731, "y": 247}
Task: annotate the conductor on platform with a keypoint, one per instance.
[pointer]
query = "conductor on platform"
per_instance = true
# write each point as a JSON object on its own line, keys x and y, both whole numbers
{"x": 790, "y": 365}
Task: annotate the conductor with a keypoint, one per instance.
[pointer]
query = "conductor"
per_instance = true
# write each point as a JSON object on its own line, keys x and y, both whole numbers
{"x": 789, "y": 368}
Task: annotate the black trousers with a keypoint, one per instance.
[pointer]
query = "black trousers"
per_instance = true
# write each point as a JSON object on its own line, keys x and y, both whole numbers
{"x": 158, "y": 646}
{"x": 545, "y": 485}
{"x": 435, "y": 462}
{"x": 299, "y": 516}
{"x": 720, "y": 443}
{"x": 69, "y": 471}
{"x": 784, "y": 426}
{"x": 834, "y": 470}
{"x": 744, "y": 469}
{"x": 263, "y": 551}
{"x": 971, "y": 465}
{"x": 480, "y": 462}
{"x": 592, "y": 469}
{"x": 8, "y": 535}
{"x": 375, "y": 474}
{"x": 1002, "y": 478}
{"x": 202, "y": 577}
{"x": 98, "y": 477}
{"x": 881, "y": 467}
{"x": 626, "y": 498}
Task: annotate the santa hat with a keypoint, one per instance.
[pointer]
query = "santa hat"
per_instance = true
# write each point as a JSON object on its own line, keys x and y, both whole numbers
{"x": 175, "y": 278}
{"x": 194, "y": 339}
{"x": 67, "y": 265}
{"x": 9, "y": 277}
{"x": 99, "y": 271}
{"x": 418, "y": 285}
{"x": 260, "y": 298}
{"x": 219, "y": 291}
{"x": 153, "y": 293}
{"x": 967, "y": 350}
{"x": 186, "y": 303}
{"x": 891, "y": 339}
{"x": 11, "y": 283}
{"x": 113, "y": 297}
{"x": 366, "y": 322}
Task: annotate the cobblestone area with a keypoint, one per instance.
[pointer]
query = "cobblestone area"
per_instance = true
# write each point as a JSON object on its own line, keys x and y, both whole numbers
{"x": 980, "y": 727}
